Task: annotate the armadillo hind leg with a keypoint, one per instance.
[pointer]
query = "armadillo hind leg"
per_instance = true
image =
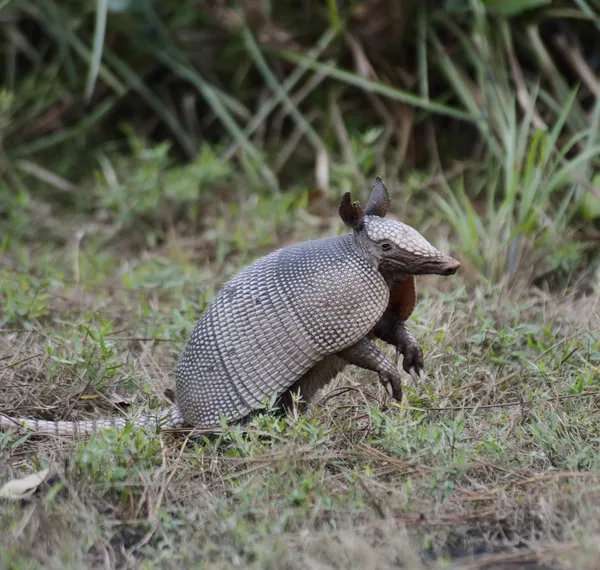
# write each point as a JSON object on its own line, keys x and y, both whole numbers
{"x": 366, "y": 354}
{"x": 312, "y": 381}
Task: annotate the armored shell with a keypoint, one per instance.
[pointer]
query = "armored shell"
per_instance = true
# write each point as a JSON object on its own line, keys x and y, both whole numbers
{"x": 273, "y": 322}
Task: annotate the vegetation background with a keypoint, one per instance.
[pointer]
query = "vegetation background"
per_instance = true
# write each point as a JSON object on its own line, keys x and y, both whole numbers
{"x": 148, "y": 150}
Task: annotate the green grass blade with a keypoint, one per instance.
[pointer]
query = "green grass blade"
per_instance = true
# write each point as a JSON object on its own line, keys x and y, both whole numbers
{"x": 379, "y": 88}
{"x": 489, "y": 71}
{"x": 171, "y": 47}
{"x": 561, "y": 88}
{"x": 64, "y": 35}
{"x": 96, "y": 60}
{"x": 334, "y": 16}
{"x": 287, "y": 85}
{"x": 453, "y": 74}
{"x": 559, "y": 124}
{"x": 276, "y": 87}
{"x": 460, "y": 213}
{"x": 510, "y": 152}
{"x": 567, "y": 148}
{"x": 137, "y": 84}
{"x": 59, "y": 137}
{"x": 589, "y": 12}
{"x": 422, "y": 53}
{"x": 527, "y": 123}
{"x": 565, "y": 174}
{"x": 561, "y": 216}
{"x": 594, "y": 126}
{"x": 221, "y": 111}
{"x": 533, "y": 192}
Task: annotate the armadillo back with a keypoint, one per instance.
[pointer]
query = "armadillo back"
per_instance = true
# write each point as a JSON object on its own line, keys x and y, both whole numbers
{"x": 273, "y": 322}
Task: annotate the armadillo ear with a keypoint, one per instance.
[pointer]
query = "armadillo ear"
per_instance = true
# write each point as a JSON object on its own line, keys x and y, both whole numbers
{"x": 351, "y": 212}
{"x": 379, "y": 201}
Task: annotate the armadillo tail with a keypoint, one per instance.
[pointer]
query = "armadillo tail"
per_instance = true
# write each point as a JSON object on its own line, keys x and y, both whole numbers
{"x": 169, "y": 418}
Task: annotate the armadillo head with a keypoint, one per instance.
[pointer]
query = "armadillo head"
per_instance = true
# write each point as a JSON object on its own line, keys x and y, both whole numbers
{"x": 396, "y": 248}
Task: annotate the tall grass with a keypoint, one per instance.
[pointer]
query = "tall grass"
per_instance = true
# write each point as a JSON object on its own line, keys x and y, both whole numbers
{"x": 284, "y": 90}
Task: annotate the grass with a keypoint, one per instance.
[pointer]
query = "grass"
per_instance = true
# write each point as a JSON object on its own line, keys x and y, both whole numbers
{"x": 267, "y": 79}
{"x": 323, "y": 97}
{"x": 494, "y": 459}
{"x": 521, "y": 211}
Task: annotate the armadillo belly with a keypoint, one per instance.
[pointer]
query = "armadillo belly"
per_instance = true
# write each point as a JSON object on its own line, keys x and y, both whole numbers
{"x": 272, "y": 323}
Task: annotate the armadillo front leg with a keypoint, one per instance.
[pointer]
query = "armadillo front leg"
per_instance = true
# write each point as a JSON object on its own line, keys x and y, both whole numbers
{"x": 366, "y": 354}
{"x": 394, "y": 331}
{"x": 392, "y": 328}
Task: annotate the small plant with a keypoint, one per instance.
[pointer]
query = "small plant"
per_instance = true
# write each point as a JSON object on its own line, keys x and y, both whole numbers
{"x": 149, "y": 188}
{"x": 23, "y": 298}
{"x": 119, "y": 463}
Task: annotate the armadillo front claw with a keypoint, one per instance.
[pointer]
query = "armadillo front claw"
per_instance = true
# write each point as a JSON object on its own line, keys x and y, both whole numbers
{"x": 418, "y": 377}
{"x": 412, "y": 362}
{"x": 393, "y": 385}
{"x": 413, "y": 358}
{"x": 388, "y": 387}
{"x": 411, "y": 351}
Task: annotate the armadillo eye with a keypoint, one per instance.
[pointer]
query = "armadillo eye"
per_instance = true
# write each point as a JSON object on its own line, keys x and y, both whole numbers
{"x": 386, "y": 246}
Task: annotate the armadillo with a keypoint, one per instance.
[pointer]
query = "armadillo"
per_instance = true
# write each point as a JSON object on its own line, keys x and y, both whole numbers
{"x": 294, "y": 319}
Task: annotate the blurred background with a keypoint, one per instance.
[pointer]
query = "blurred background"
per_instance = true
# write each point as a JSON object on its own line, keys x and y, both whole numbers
{"x": 133, "y": 119}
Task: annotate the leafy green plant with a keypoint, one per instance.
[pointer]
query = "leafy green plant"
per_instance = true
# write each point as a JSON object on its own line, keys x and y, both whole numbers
{"x": 148, "y": 187}
{"x": 528, "y": 197}
{"x": 118, "y": 463}
{"x": 23, "y": 298}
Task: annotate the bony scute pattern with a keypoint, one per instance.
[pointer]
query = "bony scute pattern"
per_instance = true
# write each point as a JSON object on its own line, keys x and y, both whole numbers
{"x": 169, "y": 418}
{"x": 405, "y": 237}
{"x": 281, "y": 315}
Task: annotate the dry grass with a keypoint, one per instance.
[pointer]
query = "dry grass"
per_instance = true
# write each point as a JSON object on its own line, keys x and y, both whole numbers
{"x": 493, "y": 463}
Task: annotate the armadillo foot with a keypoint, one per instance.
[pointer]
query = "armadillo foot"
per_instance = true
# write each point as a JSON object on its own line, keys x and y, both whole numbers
{"x": 416, "y": 372}
{"x": 366, "y": 354}
{"x": 394, "y": 331}
{"x": 393, "y": 385}
{"x": 410, "y": 349}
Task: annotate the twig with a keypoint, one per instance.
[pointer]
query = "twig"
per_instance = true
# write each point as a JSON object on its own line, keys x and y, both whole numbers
{"x": 342, "y": 390}
{"x": 560, "y": 475}
{"x": 501, "y": 405}
{"x": 494, "y": 560}
{"x": 143, "y": 339}
{"x": 573, "y": 55}
{"x": 13, "y": 364}
{"x": 450, "y": 408}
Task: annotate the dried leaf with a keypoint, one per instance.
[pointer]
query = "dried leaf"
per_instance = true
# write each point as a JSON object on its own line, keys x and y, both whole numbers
{"x": 18, "y": 489}
{"x": 120, "y": 400}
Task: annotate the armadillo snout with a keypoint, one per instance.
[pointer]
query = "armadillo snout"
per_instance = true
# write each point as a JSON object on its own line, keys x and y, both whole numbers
{"x": 451, "y": 266}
